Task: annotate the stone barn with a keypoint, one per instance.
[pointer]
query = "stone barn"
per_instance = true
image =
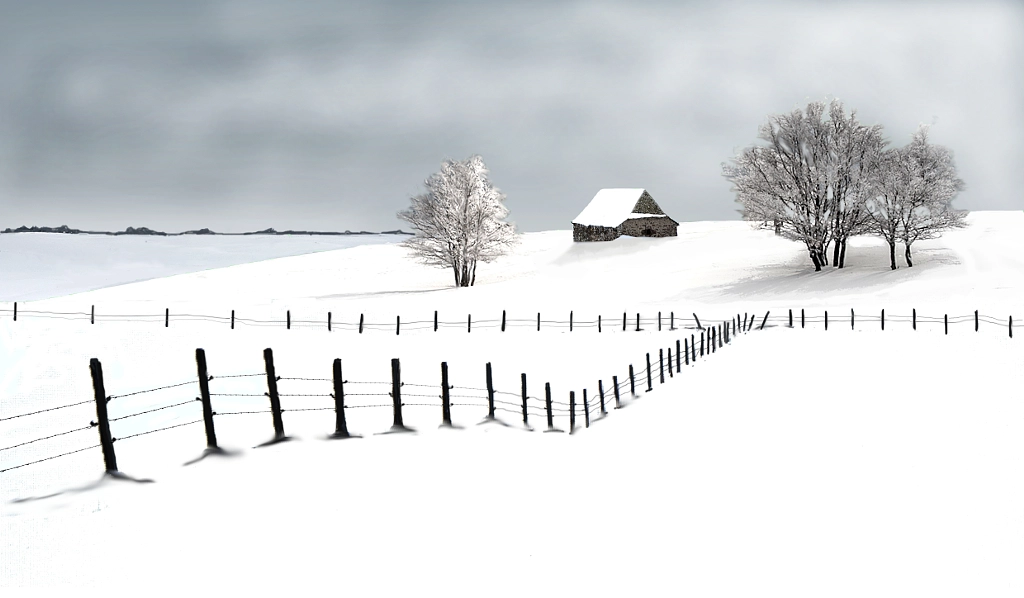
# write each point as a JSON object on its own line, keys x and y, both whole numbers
{"x": 616, "y": 212}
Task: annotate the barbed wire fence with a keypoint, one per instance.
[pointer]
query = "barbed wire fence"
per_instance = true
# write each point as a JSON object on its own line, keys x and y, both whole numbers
{"x": 389, "y": 394}
{"x": 346, "y": 395}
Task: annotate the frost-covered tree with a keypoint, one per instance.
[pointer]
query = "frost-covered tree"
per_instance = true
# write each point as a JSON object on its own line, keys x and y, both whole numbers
{"x": 459, "y": 220}
{"x": 809, "y": 178}
{"x": 886, "y": 207}
{"x": 932, "y": 185}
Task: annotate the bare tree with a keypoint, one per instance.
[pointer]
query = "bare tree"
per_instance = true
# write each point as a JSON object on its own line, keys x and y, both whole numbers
{"x": 789, "y": 180}
{"x": 886, "y": 208}
{"x": 459, "y": 220}
{"x": 931, "y": 188}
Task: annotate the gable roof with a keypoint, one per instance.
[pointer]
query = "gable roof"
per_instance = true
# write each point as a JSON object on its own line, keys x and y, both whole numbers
{"x": 611, "y": 207}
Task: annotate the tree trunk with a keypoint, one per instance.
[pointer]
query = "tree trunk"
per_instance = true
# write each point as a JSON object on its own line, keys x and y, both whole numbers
{"x": 835, "y": 254}
{"x": 814, "y": 258}
{"x": 778, "y": 227}
{"x": 906, "y": 255}
{"x": 842, "y": 255}
{"x": 465, "y": 276}
{"x": 472, "y": 280}
{"x": 892, "y": 254}
{"x": 455, "y": 269}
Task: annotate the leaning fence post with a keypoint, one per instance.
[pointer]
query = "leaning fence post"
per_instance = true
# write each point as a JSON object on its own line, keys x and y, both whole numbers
{"x": 765, "y": 320}
{"x": 696, "y": 319}
{"x": 586, "y": 408}
{"x": 360, "y": 323}
{"x": 204, "y": 394}
{"x": 490, "y": 393}
{"x": 396, "y": 396}
{"x": 106, "y": 441}
{"x": 745, "y": 322}
{"x": 340, "y": 424}
{"x": 600, "y": 391}
{"x": 572, "y": 412}
{"x": 615, "y": 386}
{"x": 275, "y": 400}
{"x": 649, "y": 386}
{"x": 446, "y": 406}
{"x": 632, "y": 381}
{"x": 525, "y": 415}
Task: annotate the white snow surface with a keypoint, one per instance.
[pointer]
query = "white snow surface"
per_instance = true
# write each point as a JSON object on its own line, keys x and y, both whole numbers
{"x": 792, "y": 462}
{"x": 609, "y": 207}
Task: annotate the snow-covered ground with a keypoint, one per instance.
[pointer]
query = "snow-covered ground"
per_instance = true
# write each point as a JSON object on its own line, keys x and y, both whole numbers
{"x": 791, "y": 462}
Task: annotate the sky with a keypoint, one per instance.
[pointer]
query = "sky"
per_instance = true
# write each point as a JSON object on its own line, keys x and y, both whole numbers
{"x": 243, "y": 115}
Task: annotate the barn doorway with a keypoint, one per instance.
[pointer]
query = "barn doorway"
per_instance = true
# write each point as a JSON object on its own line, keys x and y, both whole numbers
{"x": 648, "y": 232}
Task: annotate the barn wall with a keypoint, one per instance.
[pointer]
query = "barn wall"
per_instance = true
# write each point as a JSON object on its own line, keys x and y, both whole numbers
{"x": 661, "y": 227}
{"x": 593, "y": 233}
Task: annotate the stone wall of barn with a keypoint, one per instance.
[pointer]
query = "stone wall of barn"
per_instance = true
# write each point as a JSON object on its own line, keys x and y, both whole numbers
{"x": 593, "y": 233}
{"x": 653, "y": 227}
{"x": 646, "y": 205}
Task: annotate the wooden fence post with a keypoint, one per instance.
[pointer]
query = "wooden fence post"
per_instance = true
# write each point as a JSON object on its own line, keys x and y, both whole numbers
{"x": 396, "y": 396}
{"x": 469, "y": 322}
{"x": 686, "y": 350}
{"x": 696, "y": 319}
{"x": 526, "y": 421}
{"x": 204, "y": 394}
{"x": 360, "y": 323}
{"x": 883, "y": 319}
{"x": 671, "y": 320}
{"x": 599, "y": 322}
{"x": 714, "y": 346}
{"x": 289, "y": 321}
{"x": 623, "y": 321}
{"x": 679, "y": 365}
{"x": 538, "y": 321}
{"x": 275, "y": 400}
{"x": 945, "y": 323}
{"x": 570, "y": 321}
{"x": 586, "y": 408}
{"x": 801, "y": 317}
{"x": 167, "y": 317}
{"x": 745, "y": 316}
{"x": 446, "y": 405}
{"x": 600, "y": 391}
{"x": 1011, "y": 326}
{"x": 615, "y": 386}
{"x": 975, "y": 320}
{"x": 649, "y": 386}
{"x": 547, "y": 406}
{"x": 693, "y": 348}
{"x": 328, "y": 321}
{"x": 659, "y": 321}
{"x": 340, "y": 423}
{"x": 398, "y": 325}
{"x": 490, "y": 393}
{"x": 232, "y": 319}
{"x": 572, "y": 412}
{"x": 661, "y": 366}
{"x": 851, "y": 318}
{"x": 632, "y": 381}
{"x": 765, "y": 320}
{"x": 915, "y": 319}
{"x": 671, "y": 371}
{"x": 15, "y": 311}
{"x": 503, "y": 320}
{"x": 102, "y": 422}
{"x": 92, "y": 315}
{"x": 791, "y": 318}
{"x": 435, "y": 320}
{"x": 826, "y": 319}
{"x": 638, "y": 322}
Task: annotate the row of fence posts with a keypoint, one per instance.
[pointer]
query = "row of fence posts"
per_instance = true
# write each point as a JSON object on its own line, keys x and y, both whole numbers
{"x": 469, "y": 320}
{"x": 945, "y": 321}
{"x": 685, "y": 351}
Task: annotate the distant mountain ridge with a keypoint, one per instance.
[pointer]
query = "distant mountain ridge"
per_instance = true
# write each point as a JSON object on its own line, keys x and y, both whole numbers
{"x": 142, "y": 230}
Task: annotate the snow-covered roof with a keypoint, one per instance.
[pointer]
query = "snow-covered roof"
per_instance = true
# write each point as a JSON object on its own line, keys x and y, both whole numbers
{"x": 609, "y": 207}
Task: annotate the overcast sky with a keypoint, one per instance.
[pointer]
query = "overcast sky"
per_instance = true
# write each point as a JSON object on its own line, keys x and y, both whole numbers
{"x": 241, "y": 115}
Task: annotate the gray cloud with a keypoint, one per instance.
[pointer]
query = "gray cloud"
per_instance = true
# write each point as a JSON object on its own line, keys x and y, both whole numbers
{"x": 235, "y": 115}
